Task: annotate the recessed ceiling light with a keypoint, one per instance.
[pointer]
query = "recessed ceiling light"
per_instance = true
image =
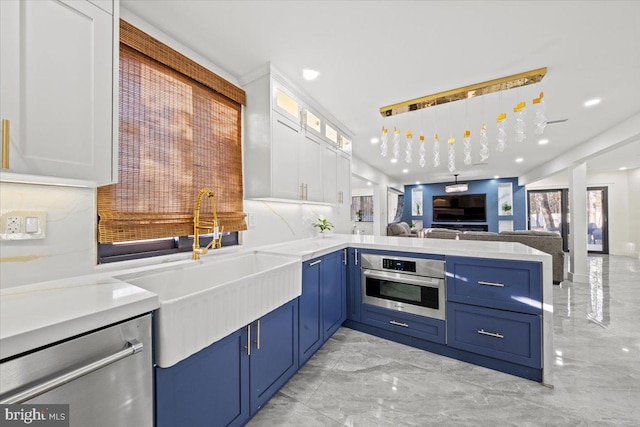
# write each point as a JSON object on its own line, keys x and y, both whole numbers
{"x": 417, "y": 182}
{"x": 496, "y": 177}
{"x": 543, "y": 141}
{"x": 394, "y": 160}
{"x": 405, "y": 170}
{"x": 622, "y": 168}
{"x": 592, "y": 102}
{"x": 374, "y": 140}
{"x": 369, "y": 183}
{"x": 519, "y": 160}
{"x": 309, "y": 74}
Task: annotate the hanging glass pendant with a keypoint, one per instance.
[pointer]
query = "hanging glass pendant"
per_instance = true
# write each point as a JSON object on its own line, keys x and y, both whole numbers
{"x": 396, "y": 142}
{"x": 501, "y": 135}
{"x": 466, "y": 136}
{"x": 423, "y": 152}
{"x": 484, "y": 143}
{"x": 408, "y": 147}
{"x": 452, "y": 154}
{"x": 384, "y": 139}
{"x": 540, "y": 119}
{"x": 436, "y": 150}
{"x": 520, "y": 126}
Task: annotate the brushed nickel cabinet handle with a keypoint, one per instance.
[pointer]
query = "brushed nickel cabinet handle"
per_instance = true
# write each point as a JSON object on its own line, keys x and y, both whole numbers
{"x": 344, "y": 257}
{"x": 311, "y": 264}
{"x": 302, "y": 191}
{"x": 490, "y": 334}
{"x": 498, "y": 285}
{"x": 5, "y": 144}
{"x": 355, "y": 251}
{"x": 257, "y": 341}
{"x": 393, "y": 322}
{"x": 248, "y": 346}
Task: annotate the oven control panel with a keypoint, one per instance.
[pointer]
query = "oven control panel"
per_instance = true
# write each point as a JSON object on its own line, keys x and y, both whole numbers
{"x": 398, "y": 265}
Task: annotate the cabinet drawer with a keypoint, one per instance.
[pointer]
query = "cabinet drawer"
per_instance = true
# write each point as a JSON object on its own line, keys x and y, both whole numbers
{"x": 509, "y": 285}
{"x": 514, "y": 337}
{"x": 404, "y": 323}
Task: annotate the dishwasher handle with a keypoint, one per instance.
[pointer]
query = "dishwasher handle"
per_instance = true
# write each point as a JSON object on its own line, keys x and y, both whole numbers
{"x": 133, "y": 346}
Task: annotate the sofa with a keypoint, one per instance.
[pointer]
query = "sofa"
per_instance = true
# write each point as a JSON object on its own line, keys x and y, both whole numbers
{"x": 544, "y": 241}
{"x": 400, "y": 229}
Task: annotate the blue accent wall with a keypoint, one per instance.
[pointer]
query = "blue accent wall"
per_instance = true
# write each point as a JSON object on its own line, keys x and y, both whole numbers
{"x": 487, "y": 186}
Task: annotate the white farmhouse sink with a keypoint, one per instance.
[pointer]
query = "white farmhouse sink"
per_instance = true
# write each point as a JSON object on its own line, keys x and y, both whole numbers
{"x": 204, "y": 301}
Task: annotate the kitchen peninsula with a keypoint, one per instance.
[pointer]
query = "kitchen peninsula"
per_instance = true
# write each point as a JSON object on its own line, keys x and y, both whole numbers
{"x": 463, "y": 259}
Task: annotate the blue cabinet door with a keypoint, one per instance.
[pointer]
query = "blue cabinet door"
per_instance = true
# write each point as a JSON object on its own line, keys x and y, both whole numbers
{"x": 310, "y": 326}
{"x": 353, "y": 285}
{"x": 501, "y": 334}
{"x": 274, "y": 353}
{"x": 333, "y": 291}
{"x": 210, "y": 388}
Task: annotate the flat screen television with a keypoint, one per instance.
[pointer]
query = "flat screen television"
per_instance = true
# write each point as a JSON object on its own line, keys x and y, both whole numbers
{"x": 460, "y": 208}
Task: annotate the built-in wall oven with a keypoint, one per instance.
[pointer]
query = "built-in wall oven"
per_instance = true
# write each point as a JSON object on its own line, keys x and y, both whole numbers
{"x": 412, "y": 285}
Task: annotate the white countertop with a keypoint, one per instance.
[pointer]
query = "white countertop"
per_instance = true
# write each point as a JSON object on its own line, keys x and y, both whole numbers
{"x": 310, "y": 248}
{"x": 36, "y": 315}
{"x": 40, "y": 314}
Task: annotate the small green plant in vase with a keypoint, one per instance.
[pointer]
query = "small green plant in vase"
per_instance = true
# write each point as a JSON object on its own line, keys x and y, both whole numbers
{"x": 323, "y": 224}
{"x": 506, "y": 207}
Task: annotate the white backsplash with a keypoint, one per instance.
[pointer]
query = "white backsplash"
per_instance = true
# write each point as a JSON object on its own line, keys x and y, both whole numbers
{"x": 69, "y": 248}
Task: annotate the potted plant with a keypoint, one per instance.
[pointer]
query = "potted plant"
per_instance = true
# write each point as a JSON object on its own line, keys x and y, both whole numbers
{"x": 417, "y": 208}
{"x": 323, "y": 224}
{"x": 506, "y": 208}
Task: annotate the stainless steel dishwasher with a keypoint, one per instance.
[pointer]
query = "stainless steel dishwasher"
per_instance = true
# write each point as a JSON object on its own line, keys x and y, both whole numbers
{"x": 105, "y": 376}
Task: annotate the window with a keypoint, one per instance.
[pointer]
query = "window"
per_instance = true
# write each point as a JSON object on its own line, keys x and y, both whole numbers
{"x": 180, "y": 130}
{"x": 362, "y": 208}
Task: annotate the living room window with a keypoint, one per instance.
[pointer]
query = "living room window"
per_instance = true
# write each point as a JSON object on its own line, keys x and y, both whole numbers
{"x": 180, "y": 131}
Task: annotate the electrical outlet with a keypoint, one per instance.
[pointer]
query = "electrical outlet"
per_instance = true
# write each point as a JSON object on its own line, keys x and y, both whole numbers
{"x": 23, "y": 225}
{"x": 13, "y": 225}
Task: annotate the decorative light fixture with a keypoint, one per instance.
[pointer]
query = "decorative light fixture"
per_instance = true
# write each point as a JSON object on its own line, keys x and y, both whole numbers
{"x": 592, "y": 102}
{"x": 466, "y": 92}
{"x": 456, "y": 187}
{"x": 503, "y": 130}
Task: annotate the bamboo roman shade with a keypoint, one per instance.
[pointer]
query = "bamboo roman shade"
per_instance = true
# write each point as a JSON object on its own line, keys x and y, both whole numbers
{"x": 180, "y": 131}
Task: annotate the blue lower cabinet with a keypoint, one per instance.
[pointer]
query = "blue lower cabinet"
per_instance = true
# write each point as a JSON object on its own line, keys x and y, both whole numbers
{"x": 334, "y": 293}
{"x": 210, "y": 388}
{"x": 505, "y": 335}
{"x": 404, "y": 323}
{"x": 310, "y": 326}
{"x": 353, "y": 285}
{"x": 274, "y": 355}
{"x": 323, "y": 303}
{"x": 227, "y": 383}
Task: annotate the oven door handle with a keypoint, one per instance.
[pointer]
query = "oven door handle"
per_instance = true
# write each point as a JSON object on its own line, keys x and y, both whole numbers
{"x": 403, "y": 278}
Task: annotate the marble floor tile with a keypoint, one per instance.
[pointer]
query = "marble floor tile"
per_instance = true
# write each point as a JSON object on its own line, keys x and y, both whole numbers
{"x": 360, "y": 380}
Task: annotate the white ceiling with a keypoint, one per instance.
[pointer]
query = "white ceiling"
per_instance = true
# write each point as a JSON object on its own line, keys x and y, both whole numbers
{"x": 375, "y": 53}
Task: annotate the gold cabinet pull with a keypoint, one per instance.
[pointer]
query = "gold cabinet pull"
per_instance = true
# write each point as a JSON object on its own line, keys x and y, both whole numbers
{"x": 5, "y": 144}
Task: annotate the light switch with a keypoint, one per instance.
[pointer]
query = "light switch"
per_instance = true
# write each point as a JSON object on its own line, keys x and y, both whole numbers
{"x": 32, "y": 224}
{"x": 23, "y": 225}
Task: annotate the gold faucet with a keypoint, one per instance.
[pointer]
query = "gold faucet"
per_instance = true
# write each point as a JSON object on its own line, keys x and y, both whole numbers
{"x": 209, "y": 227}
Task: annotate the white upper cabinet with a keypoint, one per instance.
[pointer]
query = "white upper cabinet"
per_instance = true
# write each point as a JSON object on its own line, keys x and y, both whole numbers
{"x": 57, "y": 83}
{"x": 286, "y": 143}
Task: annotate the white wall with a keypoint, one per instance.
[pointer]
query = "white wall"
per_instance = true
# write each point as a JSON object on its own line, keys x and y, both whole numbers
{"x": 366, "y": 171}
{"x": 634, "y": 212}
{"x": 624, "y": 205}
